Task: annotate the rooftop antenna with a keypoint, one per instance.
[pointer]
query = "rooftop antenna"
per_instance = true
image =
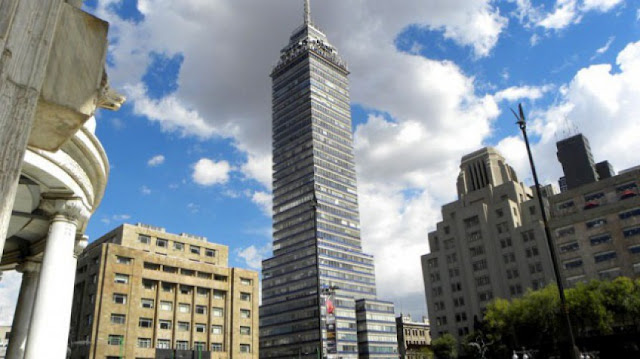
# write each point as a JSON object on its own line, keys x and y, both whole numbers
{"x": 307, "y": 12}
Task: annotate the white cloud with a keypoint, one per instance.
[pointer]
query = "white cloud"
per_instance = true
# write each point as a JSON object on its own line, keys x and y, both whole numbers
{"x": 253, "y": 255}
{"x": 600, "y": 5}
{"x": 9, "y": 290}
{"x": 515, "y": 93}
{"x": 116, "y": 217}
{"x": 258, "y": 168}
{"x": 207, "y": 172}
{"x": 563, "y": 14}
{"x": 264, "y": 201}
{"x": 193, "y": 208}
{"x": 145, "y": 190}
{"x": 155, "y": 161}
{"x": 604, "y": 48}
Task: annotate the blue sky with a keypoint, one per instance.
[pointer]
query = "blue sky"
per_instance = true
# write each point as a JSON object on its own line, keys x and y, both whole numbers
{"x": 431, "y": 80}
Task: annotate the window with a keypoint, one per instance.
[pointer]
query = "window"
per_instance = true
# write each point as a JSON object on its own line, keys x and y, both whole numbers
{"x": 144, "y": 342}
{"x": 199, "y": 346}
{"x": 596, "y": 223}
{"x": 631, "y": 232}
{"x": 438, "y": 305}
{"x": 634, "y": 249}
{"x": 484, "y": 280}
{"x": 216, "y": 329}
{"x": 92, "y": 298}
{"x": 218, "y": 294}
{"x": 164, "y": 324}
{"x": 123, "y": 260}
{"x": 118, "y": 318}
{"x": 178, "y": 246}
{"x": 245, "y": 281}
{"x": 151, "y": 266}
{"x": 245, "y": 348}
{"x": 94, "y": 278}
{"x": 162, "y": 243}
{"x": 188, "y": 272}
{"x": 168, "y": 287}
{"x": 115, "y": 339}
{"x": 185, "y": 289}
{"x": 505, "y": 243}
{"x": 532, "y": 251}
{"x": 245, "y": 313}
{"x": 201, "y": 328}
{"x": 220, "y": 277}
{"x": 460, "y": 317}
{"x": 452, "y": 258}
{"x": 163, "y": 344}
{"x": 569, "y": 247}
{"x": 454, "y": 272}
{"x": 144, "y": 239}
{"x": 515, "y": 289}
{"x": 458, "y": 302}
{"x": 432, "y": 263}
{"x": 119, "y": 298}
{"x": 209, "y": 252}
{"x": 204, "y": 275}
{"x": 509, "y": 258}
{"x": 245, "y": 296}
{"x": 166, "y": 305}
{"x": 184, "y": 308}
{"x": 528, "y": 236}
{"x": 565, "y": 206}
{"x": 471, "y": 221}
{"x": 629, "y": 214}
{"x": 216, "y": 347}
{"x": 201, "y": 309}
{"x": 485, "y": 296}
{"x": 89, "y": 319}
{"x": 535, "y": 268}
{"x": 499, "y": 213}
{"x": 455, "y": 287}
{"x": 145, "y": 323}
{"x": 563, "y": 232}
{"x": 169, "y": 269}
{"x": 479, "y": 265}
{"x": 474, "y": 236}
{"x": 502, "y": 227}
{"x": 600, "y": 239}
{"x": 203, "y": 292}
{"x": 574, "y": 263}
{"x": 216, "y": 312}
{"x": 148, "y": 284}
{"x": 512, "y": 273}
{"x": 437, "y": 291}
{"x": 604, "y": 256}
{"x": 435, "y": 277}
{"x": 183, "y": 326}
{"x": 194, "y": 249}
{"x": 146, "y": 303}
{"x": 182, "y": 345}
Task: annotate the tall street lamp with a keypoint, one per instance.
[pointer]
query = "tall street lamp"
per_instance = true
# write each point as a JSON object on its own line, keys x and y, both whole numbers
{"x": 522, "y": 123}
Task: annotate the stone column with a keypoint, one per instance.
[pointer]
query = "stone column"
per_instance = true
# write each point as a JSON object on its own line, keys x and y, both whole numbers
{"x": 20, "y": 327}
{"x": 49, "y": 329}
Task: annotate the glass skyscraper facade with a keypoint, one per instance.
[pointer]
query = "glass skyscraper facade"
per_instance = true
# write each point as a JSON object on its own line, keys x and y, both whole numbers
{"x": 318, "y": 270}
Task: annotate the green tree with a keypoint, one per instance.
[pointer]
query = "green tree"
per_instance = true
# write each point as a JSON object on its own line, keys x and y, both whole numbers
{"x": 445, "y": 347}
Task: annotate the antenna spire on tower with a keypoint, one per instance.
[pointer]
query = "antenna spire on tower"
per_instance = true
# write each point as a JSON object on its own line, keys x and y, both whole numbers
{"x": 307, "y": 12}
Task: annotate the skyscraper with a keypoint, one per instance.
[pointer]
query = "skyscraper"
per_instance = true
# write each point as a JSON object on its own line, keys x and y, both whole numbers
{"x": 574, "y": 153}
{"x": 318, "y": 269}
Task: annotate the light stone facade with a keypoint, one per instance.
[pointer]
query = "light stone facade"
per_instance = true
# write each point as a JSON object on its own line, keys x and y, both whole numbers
{"x": 490, "y": 244}
{"x": 414, "y": 338}
{"x": 596, "y": 229}
{"x": 162, "y": 295}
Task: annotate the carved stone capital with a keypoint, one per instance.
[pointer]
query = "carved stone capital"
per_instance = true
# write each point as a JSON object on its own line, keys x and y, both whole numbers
{"x": 28, "y": 267}
{"x": 81, "y": 243}
{"x": 71, "y": 209}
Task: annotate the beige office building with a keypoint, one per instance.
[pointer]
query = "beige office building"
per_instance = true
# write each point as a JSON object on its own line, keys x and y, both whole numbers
{"x": 143, "y": 293}
{"x": 414, "y": 337}
{"x": 489, "y": 244}
{"x": 596, "y": 228}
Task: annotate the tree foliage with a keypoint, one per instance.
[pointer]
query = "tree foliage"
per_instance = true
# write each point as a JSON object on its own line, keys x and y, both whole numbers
{"x": 445, "y": 347}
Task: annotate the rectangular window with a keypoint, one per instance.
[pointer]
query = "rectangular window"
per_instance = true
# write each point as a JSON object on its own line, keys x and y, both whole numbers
{"x": 145, "y": 323}
{"x": 218, "y": 294}
{"x": 245, "y": 313}
{"x": 532, "y": 252}
{"x": 245, "y": 296}
{"x": 123, "y": 260}
{"x": 203, "y": 292}
{"x": 634, "y": 249}
{"x": 596, "y": 223}
{"x": 144, "y": 239}
{"x": 183, "y": 326}
{"x": 151, "y": 266}
{"x": 605, "y": 256}
{"x": 629, "y": 214}
{"x": 216, "y": 329}
{"x": 245, "y": 348}
{"x": 484, "y": 280}
{"x": 164, "y": 324}
{"x": 119, "y": 298}
{"x": 148, "y": 284}
{"x": 600, "y": 239}
{"x": 476, "y": 251}
{"x": 220, "y": 277}
{"x": 474, "y": 236}
{"x": 569, "y": 247}
{"x": 631, "y": 232}
{"x": 146, "y": 303}
{"x": 118, "y": 318}
{"x": 204, "y": 275}
{"x": 182, "y": 345}
{"x": 185, "y": 289}
{"x": 115, "y": 339}
{"x": 216, "y": 347}
{"x": 528, "y": 236}
{"x": 201, "y": 328}
{"x": 506, "y": 243}
{"x": 168, "y": 287}
{"x": 216, "y": 312}
{"x": 563, "y": 232}
{"x": 199, "y": 346}
{"x": 178, "y": 246}
{"x": 188, "y": 272}
{"x": 184, "y": 308}
{"x": 471, "y": 221}
{"x": 194, "y": 249}
{"x": 245, "y": 281}
{"x": 163, "y": 344}
{"x": 166, "y": 305}
{"x": 574, "y": 263}
{"x": 169, "y": 269}
{"x": 209, "y": 252}
{"x": 162, "y": 243}
{"x": 480, "y": 265}
{"x": 201, "y": 309}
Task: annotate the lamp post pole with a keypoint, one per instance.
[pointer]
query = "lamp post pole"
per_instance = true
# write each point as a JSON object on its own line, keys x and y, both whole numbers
{"x": 522, "y": 123}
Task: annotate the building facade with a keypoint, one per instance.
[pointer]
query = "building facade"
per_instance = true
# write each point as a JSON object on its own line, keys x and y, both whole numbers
{"x": 143, "y": 293}
{"x": 489, "y": 244}
{"x": 596, "y": 229}
{"x": 414, "y": 338}
{"x": 317, "y": 253}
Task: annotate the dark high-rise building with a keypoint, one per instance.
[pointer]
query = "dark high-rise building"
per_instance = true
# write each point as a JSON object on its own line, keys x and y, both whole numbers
{"x": 574, "y": 153}
{"x": 605, "y": 170}
{"x": 318, "y": 269}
